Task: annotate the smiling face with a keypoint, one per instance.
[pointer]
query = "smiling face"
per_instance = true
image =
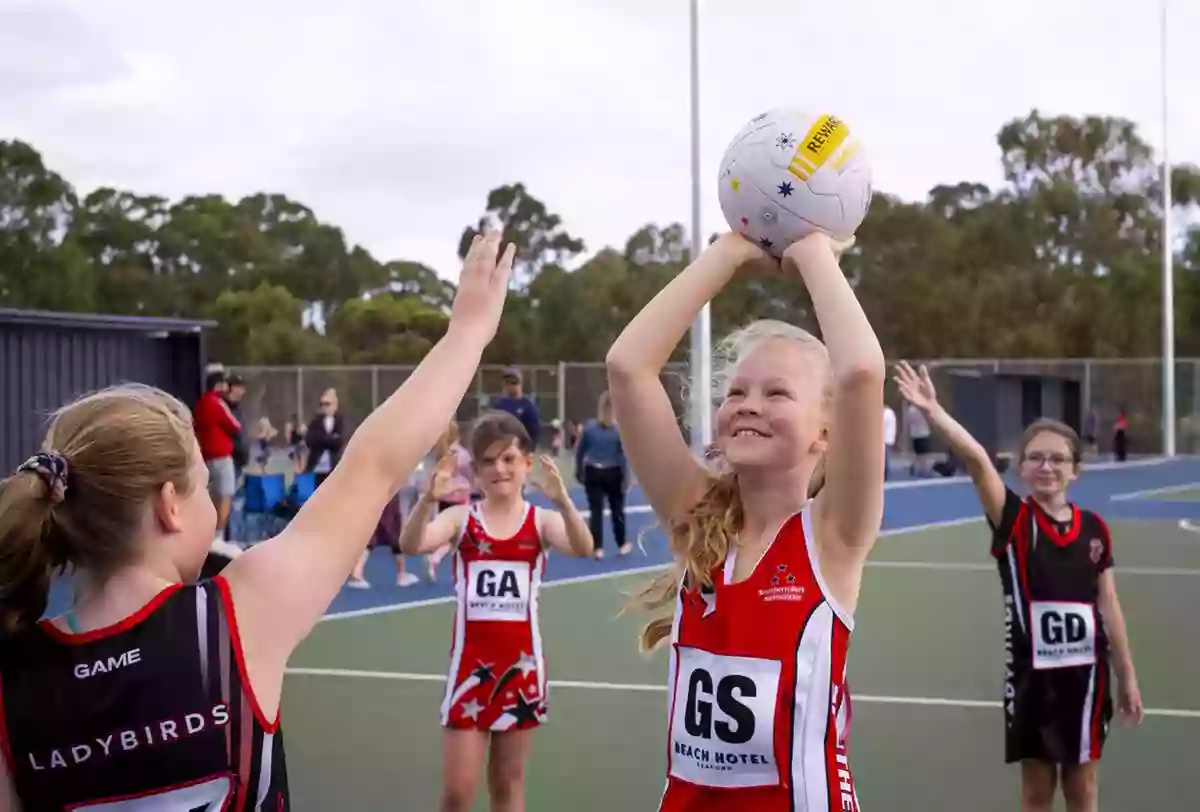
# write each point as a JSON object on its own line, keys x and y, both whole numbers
{"x": 502, "y": 455}
{"x": 773, "y": 414}
{"x": 501, "y": 471}
{"x": 1049, "y": 462}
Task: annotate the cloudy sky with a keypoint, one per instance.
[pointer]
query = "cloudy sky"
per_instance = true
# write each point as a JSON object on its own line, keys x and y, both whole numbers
{"x": 393, "y": 118}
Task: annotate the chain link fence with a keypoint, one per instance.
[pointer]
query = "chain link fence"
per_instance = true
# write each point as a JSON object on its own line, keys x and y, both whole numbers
{"x": 568, "y": 392}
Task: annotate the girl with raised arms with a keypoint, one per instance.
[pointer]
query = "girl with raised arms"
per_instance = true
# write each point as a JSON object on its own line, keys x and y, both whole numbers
{"x": 496, "y": 690}
{"x": 155, "y": 692}
{"x": 767, "y": 569}
{"x": 1063, "y": 620}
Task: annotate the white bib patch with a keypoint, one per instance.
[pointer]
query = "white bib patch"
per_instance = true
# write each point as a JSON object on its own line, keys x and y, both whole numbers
{"x": 1064, "y": 634}
{"x": 498, "y": 590}
{"x": 723, "y": 720}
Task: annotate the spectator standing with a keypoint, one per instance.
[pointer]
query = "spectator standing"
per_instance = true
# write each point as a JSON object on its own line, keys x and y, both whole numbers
{"x": 387, "y": 534}
{"x": 215, "y": 428}
{"x": 1091, "y": 422}
{"x": 294, "y": 431}
{"x": 919, "y": 434}
{"x": 325, "y": 438}
{"x": 514, "y": 401}
{"x": 1120, "y": 436}
{"x": 234, "y": 394}
{"x": 601, "y": 467}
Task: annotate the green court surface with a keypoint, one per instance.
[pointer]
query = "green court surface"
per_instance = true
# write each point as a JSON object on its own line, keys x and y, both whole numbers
{"x": 360, "y": 709}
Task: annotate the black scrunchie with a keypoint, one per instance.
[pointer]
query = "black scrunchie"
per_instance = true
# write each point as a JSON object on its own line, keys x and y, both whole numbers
{"x": 53, "y": 468}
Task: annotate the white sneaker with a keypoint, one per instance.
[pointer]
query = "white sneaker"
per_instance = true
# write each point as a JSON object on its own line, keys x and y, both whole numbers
{"x": 406, "y": 579}
{"x": 358, "y": 583}
{"x": 225, "y": 548}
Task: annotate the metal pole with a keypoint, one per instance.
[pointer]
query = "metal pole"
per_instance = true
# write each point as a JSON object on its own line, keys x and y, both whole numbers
{"x": 701, "y": 335}
{"x": 1168, "y": 259}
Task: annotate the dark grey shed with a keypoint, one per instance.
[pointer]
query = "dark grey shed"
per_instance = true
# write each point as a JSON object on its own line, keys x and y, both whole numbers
{"x": 48, "y": 359}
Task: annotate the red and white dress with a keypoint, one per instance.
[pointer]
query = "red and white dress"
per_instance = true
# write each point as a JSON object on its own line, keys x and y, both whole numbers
{"x": 497, "y": 677}
{"x": 759, "y": 711}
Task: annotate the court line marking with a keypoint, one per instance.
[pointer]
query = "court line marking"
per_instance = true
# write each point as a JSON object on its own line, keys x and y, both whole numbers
{"x": 1165, "y": 489}
{"x": 402, "y": 676}
{"x": 607, "y": 574}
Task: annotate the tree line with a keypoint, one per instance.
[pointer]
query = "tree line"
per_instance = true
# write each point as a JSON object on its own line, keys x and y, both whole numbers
{"x": 1061, "y": 260}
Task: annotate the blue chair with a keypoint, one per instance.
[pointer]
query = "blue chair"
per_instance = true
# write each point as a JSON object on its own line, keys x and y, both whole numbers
{"x": 303, "y": 487}
{"x": 263, "y": 494}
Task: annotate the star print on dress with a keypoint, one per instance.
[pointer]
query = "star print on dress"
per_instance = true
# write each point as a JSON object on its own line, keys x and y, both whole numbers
{"x": 785, "y": 140}
{"x": 482, "y": 674}
{"x": 484, "y": 547}
{"x": 764, "y": 242}
{"x": 710, "y": 602}
{"x": 736, "y": 184}
{"x": 511, "y": 673}
{"x": 785, "y": 189}
{"x": 526, "y": 664}
{"x": 471, "y": 710}
{"x": 524, "y": 712}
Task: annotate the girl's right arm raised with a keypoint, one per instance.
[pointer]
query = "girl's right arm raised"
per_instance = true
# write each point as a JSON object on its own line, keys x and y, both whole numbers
{"x": 282, "y": 587}
{"x": 671, "y": 476}
{"x": 917, "y": 389}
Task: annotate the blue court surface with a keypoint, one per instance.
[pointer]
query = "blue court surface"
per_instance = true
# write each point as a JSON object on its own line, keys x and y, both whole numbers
{"x": 1116, "y": 490}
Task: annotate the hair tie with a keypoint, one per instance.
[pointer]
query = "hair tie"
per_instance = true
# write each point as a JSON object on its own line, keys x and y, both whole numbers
{"x": 53, "y": 468}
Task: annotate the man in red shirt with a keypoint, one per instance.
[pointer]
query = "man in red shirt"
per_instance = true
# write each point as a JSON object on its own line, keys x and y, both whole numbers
{"x": 216, "y": 428}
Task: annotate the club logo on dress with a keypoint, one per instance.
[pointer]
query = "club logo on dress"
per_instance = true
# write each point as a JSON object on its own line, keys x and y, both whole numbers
{"x": 1096, "y": 550}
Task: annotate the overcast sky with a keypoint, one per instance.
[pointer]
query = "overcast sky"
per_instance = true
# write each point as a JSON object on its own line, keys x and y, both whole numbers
{"x": 393, "y": 118}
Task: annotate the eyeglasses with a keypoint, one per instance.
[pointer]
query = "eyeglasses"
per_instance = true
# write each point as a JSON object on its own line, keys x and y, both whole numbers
{"x": 1037, "y": 459}
{"x": 326, "y": 403}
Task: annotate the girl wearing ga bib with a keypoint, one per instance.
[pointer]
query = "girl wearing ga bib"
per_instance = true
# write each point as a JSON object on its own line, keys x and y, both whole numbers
{"x": 767, "y": 570}
{"x": 496, "y": 685}
{"x": 1062, "y": 619}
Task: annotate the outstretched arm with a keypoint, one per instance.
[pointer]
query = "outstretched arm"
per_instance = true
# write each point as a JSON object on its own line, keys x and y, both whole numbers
{"x": 283, "y": 586}
{"x": 917, "y": 389}
{"x": 852, "y": 497}
{"x": 671, "y": 476}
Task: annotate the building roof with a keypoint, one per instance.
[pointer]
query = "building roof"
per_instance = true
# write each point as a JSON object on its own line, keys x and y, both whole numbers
{"x": 101, "y": 321}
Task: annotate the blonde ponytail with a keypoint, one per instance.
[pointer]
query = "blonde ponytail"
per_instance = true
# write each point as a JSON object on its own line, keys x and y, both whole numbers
{"x": 699, "y": 543}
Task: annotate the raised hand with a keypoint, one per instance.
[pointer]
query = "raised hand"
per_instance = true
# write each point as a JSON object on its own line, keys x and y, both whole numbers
{"x": 810, "y": 248}
{"x": 441, "y": 483}
{"x": 483, "y": 285}
{"x": 549, "y": 481}
{"x": 916, "y": 387}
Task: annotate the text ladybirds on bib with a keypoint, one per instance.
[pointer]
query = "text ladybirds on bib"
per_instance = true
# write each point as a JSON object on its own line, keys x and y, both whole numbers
{"x": 723, "y": 720}
{"x": 498, "y": 590}
{"x": 1064, "y": 634}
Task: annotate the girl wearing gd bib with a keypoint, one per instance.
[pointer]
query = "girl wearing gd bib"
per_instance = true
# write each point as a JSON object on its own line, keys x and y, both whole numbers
{"x": 1062, "y": 613}
{"x": 496, "y": 687}
{"x": 767, "y": 575}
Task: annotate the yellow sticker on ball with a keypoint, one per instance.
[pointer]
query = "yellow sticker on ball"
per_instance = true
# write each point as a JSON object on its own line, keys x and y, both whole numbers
{"x": 826, "y": 135}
